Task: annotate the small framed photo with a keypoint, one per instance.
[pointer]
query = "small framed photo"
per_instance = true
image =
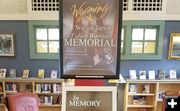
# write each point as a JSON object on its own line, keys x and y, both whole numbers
{"x": 7, "y": 44}
{"x": 142, "y": 74}
{"x": 146, "y": 88}
{"x": 2, "y": 73}
{"x": 132, "y": 74}
{"x": 161, "y": 74}
{"x": 25, "y": 73}
{"x": 132, "y": 88}
{"x": 41, "y": 73}
{"x": 172, "y": 74}
{"x": 12, "y": 73}
{"x": 151, "y": 74}
{"x": 54, "y": 74}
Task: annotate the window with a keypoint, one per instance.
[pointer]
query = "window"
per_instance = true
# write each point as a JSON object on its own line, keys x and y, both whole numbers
{"x": 47, "y": 40}
{"x": 142, "y": 40}
{"x": 44, "y": 39}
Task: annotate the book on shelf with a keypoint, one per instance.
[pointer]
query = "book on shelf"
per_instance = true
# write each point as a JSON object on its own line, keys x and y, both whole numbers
{"x": 132, "y": 88}
{"x": 28, "y": 88}
{"x": 50, "y": 100}
{"x": 132, "y": 74}
{"x": 46, "y": 100}
{"x": 146, "y": 88}
{"x": 151, "y": 74}
{"x": 172, "y": 74}
{"x": 57, "y": 100}
{"x": 160, "y": 95}
{"x": 56, "y": 88}
{"x": 25, "y": 73}
{"x": 11, "y": 87}
{"x": 46, "y": 88}
{"x": 2, "y": 73}
{"x": 54, "y": 74}
{"x": 38, "y": 88}
{"x": 41, "y": 73}
{"x": 12, "y": 73}
{"x": 161, "y": 74}
{"x": 41, "y": 99}
{"x": 142, "y": 74}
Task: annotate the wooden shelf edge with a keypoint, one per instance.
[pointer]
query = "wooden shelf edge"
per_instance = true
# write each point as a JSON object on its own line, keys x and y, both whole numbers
{"x": 141, "y": 94}
{"x": 44, "y": 105}
{"x": 140, "y": 106}
{"x": 49, "y": 93}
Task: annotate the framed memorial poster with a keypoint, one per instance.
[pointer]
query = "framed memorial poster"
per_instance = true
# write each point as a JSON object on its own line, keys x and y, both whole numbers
{"x": 90, "y": 38}
{"x": 88, "y": 98}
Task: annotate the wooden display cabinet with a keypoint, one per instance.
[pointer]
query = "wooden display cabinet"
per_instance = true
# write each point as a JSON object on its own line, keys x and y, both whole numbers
{"x": 140, "y": 96}
{"x": 48, "y": 88}
{"x": 157, "y": 88}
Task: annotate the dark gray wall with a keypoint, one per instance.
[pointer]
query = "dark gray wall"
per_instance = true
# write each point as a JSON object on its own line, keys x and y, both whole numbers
{"x": 22, "y": 60}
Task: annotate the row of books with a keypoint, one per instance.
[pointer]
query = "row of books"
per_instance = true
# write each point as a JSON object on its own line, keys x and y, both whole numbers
{"x": 50, "y": 100}
{"x": 11, "y": 87}
{"x": 48, "y": 88}
{"x": 26, "y": 72}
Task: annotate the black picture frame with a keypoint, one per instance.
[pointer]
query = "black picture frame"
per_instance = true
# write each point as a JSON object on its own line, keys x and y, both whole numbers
{"x": 7, "y": 45}
{"x": 108, "y": 34}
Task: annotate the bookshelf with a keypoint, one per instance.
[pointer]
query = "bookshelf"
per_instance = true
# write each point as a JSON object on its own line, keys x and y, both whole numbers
{"x": 48, "y": 90}
{"x": 140, "y": 96}
{"x": 153, "y": 97}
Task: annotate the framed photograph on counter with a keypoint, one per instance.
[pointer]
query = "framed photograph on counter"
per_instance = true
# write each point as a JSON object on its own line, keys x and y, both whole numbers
{"x": 2, "y": 73}
{"x": 102, "y": 98}
{"x": 132, "y": 74}
{"x": 90, "y": 37}
{"x": 172, "y": 74}
{"x": 151, "y": 74}
{"x": 142, "y": 74}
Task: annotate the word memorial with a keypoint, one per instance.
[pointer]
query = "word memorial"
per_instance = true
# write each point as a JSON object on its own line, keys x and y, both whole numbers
{"x": 77, "y": 102}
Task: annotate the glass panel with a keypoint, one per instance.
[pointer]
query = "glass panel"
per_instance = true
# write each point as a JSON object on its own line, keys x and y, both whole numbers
{"x": 150, "y": 34}
{"x": 41, "y": 34}
{"x": 122, "y": 47}
{"x": 122, "y": 34}
{"x": 149, "y": 47}
{"x": 53, "y": 34}
{"x": 136, "y": 47}
{"x": 176, "y": 43}
{"x": 54, "y": 47}
{"x": 137, "y": 34}
{"x": 42, "y": 47}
